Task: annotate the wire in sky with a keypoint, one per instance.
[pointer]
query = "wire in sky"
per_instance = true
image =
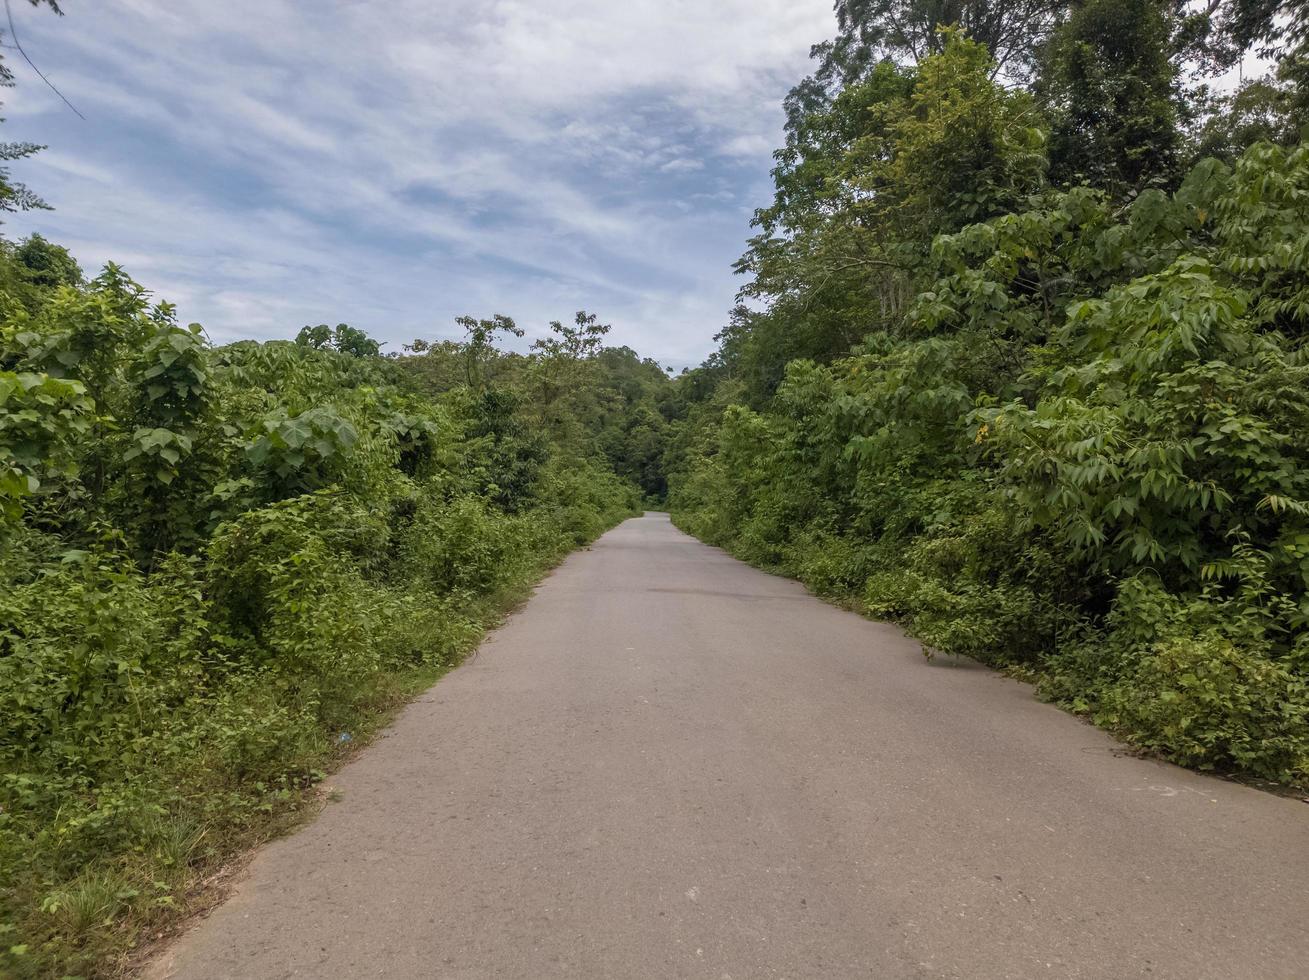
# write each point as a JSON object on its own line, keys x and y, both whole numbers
{"x": 14, "y": 35}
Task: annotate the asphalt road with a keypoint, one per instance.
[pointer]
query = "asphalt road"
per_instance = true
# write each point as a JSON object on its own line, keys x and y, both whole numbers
{"x": 669, "y": 764}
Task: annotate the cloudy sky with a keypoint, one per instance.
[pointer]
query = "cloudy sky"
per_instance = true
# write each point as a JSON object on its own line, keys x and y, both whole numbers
{"x": 392, "y": 165}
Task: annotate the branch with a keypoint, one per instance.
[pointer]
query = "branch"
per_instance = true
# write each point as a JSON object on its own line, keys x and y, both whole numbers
{"x": 17, "y": 44}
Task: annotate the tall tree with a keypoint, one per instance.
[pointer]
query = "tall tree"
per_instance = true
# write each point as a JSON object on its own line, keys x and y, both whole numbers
{"x": 479, "y": 345}
{"x": 1110, "y": 85}
{"x": 862, "y": 190}
{"x": 907, "y": 31}
{"x": 1270, "y": 26}
{"x": 565, "y": 359}
{"x": 1275, "y": 29}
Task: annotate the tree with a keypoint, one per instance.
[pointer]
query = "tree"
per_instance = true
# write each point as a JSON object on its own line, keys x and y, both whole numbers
{"x": 897, "y": 158}
{"x": 47, "y": 265}
{"x": 344, "y": 338}
{"x": 1110, "y": 85}
{"x": 1270, "y": 25}
{"x": 1276, "y": 29}
{"x": 13, "y": 195}
{"x": 479, "y": 345}
{"x": 906, "y": 31}
{"x": 6, "y": 75}
{"x": 963, "y": 147}
{"x": 1260, "y": 110}
{"x": 573, "y": 343}
{"x": 808, "y": 175}
{"x": 564, "y": 356}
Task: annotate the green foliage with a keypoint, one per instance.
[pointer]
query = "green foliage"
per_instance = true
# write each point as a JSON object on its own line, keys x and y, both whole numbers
{"x": 304, "y": 452}
{"x": 1110, "y": 84}
{"x": 1261, "y": 110}
{"x": 479, "y": 344}
{"x": 1170, "y": 432}
{"x": 1197, "y": 678}
{"x": 582, "y": 340}
{"x": 1039, "y": 426}
{"x": 171, "y": 375}
{"x": 1208, "y": 701}
{"x": 44, "y": 265}
{"x": 15, "y": 196}
{"x": 909, "y": 30}
{"x": 343, "y": 338}
{"x": 215, "y": 562}
{"x": 861, "y": 189}
{"x": 41, "y": 419}
{"x": 1003, "y": 370}
{"x": 963, "y": 148}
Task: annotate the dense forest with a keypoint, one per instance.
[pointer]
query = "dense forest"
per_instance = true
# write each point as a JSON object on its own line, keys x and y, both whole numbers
{"x": 1020, "y": 360}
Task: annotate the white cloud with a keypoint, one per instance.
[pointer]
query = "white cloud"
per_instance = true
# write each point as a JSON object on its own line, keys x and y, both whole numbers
{"x": 267, "y": 165}
{"x": 749, "y": 145}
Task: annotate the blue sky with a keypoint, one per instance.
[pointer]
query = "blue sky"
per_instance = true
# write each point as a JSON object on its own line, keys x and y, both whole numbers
{"x": 392, "y": 165}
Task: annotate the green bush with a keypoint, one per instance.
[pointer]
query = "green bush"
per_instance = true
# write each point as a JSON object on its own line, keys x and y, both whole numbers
{"x": 1207, "y": 702}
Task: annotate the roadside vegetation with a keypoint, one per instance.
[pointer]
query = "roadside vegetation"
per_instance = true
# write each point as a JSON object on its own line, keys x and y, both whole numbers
{"x": 1019, "y": 362}
{"x": 1021, "y": 359}
{"x": 221, "y": 566}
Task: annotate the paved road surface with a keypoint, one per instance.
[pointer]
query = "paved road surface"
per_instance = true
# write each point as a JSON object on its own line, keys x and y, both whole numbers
{"x": 669, "y": 764}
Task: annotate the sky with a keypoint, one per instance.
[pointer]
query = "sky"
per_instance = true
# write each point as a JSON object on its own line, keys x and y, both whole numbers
{"x": 266, "y": 165}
